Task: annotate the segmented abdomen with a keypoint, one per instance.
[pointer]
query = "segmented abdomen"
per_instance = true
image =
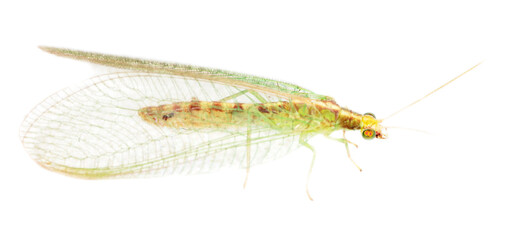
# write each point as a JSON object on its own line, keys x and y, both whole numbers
{"x": 202, "y": 114}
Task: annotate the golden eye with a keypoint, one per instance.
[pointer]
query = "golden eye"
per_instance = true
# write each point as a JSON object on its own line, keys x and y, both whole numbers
{"x": 368, "y": 134}
{"x": 370, "y": 114}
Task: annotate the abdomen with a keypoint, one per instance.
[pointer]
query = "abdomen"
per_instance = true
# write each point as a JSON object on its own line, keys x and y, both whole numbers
{"x": 202, "y": 114}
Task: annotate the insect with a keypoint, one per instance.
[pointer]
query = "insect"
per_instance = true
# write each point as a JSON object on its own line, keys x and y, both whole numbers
{"x": 152, "y": 118}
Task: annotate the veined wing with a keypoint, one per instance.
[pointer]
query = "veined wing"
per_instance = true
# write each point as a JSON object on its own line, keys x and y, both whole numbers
{"x": 259, "y": 84}
{"x": 94, "y": 130}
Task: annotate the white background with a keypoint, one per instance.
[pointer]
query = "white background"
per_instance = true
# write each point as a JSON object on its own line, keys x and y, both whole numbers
{"x": 461, "y": 181}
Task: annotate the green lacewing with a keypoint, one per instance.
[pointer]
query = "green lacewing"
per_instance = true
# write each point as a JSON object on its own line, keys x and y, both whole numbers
{"x": 152, "y": 118}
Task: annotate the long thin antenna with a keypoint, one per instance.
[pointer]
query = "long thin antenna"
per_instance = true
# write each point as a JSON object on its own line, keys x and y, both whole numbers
{"x": 409, "y": 129}
{"x": 420, "y": 99}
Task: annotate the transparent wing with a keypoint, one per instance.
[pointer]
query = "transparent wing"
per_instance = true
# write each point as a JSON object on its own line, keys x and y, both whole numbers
{"x": 94, "y": 131}
{"x": 260, "y": 84}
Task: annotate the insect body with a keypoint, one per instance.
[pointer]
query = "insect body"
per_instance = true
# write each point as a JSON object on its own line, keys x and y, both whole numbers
{"x": 321, "y": 116}
{"x": 153, "y": 118}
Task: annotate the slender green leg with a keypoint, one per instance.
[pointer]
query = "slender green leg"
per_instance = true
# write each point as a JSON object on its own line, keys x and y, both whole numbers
{"x": 234, "y": 95}
{"x": 248, "y": 154}
{"x": 307, "y": 145}
{"x": 248, "y": 133}
{"x": 243, "y": 92}
{"x": 346, "y": 142}
{"x": 344, "y": 137}
{"x": 258, "y": 96}
{"x": 348, "y": 154}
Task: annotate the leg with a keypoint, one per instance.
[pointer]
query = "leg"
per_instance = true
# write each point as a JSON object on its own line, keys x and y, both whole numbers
{"x": 243, "y": 92}
{"x": 307, "y": 145}
{"x": 248, "y": 155}
{"x": 355, "y": 145}
{"x": 346, "y": 142}
{"x": 234, "y": 95}
{"x": 348, "y": 154}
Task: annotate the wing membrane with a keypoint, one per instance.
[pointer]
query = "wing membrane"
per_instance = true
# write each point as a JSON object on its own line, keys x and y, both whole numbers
{"x": 259, "y": 84}
{"x": 94, "y": 131}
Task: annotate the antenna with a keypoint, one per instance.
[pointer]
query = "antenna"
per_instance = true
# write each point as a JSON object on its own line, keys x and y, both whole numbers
{"x": 427, "y": 95}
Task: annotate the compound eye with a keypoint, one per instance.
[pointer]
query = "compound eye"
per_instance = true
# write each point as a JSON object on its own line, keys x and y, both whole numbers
{"x": 370, "y": 114}
{"x": 368, "y": 134}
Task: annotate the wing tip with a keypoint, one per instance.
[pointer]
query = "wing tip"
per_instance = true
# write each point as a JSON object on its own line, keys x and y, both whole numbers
{"x": 49, "y": 49}
{"x": 62, "y": 52}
